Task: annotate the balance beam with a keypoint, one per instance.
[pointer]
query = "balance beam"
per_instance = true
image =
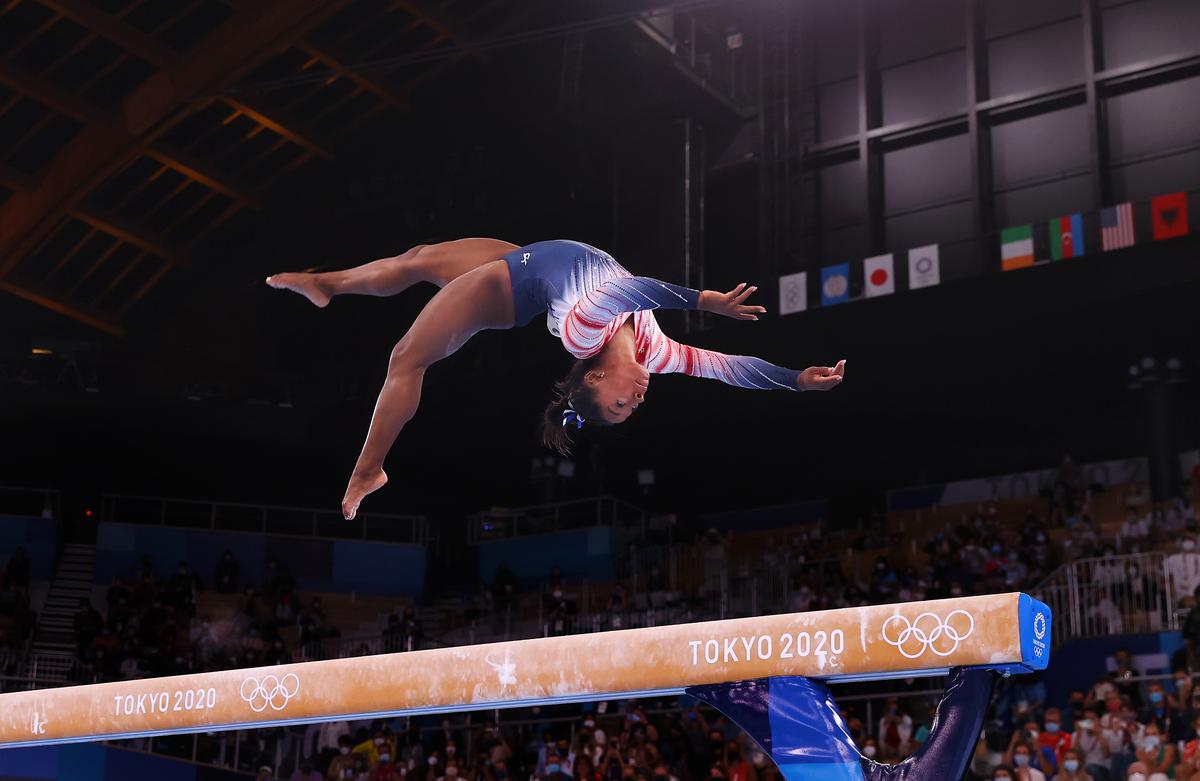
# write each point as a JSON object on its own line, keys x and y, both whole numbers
{"x": 1006, "y": 632}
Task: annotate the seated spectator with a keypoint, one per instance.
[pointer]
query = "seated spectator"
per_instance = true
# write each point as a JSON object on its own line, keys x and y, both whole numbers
{"x": 413, "y": 631}
{"x": 17, "y": 572}
{"x": 1005, "y": 773}
{"x": 1023, "y": 750}
{"x": 1138, "y": 771}
{"x": 1158, "y": 756}
{"x": 342, "y": 765}
{"x": 895, "y": 731}
{"x": 305, "y": 772}
{"x": 373, "y": 748}
{"x": 1093, "y": 750}
{"x": 88, "y": 624}
{"x": 1052, "y": 741}
{"x": 227, "y": 574}
{"x": 385, "y": 768}
{"x": 1123, "y": 678}
{"x": 1170, "y": 721}
{"x": 1072, "y": 768}
{"x": 393, "y": 635}
{"x": 1191, "y": 631}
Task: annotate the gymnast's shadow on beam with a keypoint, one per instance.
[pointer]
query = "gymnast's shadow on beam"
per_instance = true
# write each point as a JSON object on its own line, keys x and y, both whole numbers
{"x": 797, "y": 723}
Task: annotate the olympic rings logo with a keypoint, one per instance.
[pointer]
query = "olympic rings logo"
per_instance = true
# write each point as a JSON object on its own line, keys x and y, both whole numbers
{"x": 1039, "y": 626}
{"x": 271, "y": 692}
{"x": 924, "y": 633}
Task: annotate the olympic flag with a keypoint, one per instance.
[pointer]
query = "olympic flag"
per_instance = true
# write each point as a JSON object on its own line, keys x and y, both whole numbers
{"x": 1007, "y": 632}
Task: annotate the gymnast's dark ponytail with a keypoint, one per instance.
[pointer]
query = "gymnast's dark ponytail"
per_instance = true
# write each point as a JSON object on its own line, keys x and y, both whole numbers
{"x": 572, "y": 408}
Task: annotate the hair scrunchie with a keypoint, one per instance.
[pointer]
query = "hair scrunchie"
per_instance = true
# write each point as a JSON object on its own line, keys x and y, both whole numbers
{"x": 571, "y": 416}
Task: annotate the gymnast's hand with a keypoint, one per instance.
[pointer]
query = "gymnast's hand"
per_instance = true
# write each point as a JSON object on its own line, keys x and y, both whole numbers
{"x": 730, "y": 304}
{"x": 822, "y": 378}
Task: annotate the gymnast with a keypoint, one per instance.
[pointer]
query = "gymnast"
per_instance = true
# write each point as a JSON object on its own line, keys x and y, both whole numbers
{"x": 601, "y": 312}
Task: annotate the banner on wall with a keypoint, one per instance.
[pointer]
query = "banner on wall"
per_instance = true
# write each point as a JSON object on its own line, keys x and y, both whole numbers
{"x": 1170, "y": 213}
{"x": 1116, "y": 226}
{"x": 793, "y": 293}
{"x": 835, "y": 284}
{"x": 1017, "y": 485}
{"x": 924, "y": 267}
{"x": 1016, "y": 247}
{"x": 880, "y": 275}
{"x": 1066, "y": 237}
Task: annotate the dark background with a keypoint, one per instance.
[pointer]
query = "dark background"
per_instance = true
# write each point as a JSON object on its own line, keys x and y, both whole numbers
{"x": 827, "y": 135}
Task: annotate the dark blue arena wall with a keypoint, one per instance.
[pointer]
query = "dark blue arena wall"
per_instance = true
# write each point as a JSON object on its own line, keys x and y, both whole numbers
{"x": 94, "y": 762}
{"x": 317, "y": 564}
{"x": 39, "y": 538}
{"x": 579, "y": 553}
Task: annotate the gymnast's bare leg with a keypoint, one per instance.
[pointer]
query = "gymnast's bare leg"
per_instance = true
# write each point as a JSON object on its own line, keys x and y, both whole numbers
{"x": 476, "y": 295}
{"x": 478, "y": 300}
{"x": 436, "y": 263}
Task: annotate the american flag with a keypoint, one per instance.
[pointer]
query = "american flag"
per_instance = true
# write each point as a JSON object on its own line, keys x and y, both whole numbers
{"x": 1116, "y": 226}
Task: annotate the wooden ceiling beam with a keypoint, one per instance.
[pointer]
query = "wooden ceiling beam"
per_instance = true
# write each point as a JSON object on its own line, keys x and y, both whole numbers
{"x": 104, "y": 147}
{"x": 116, "y": 30}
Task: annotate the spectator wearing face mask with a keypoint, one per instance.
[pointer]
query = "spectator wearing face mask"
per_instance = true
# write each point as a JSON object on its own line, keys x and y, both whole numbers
{"x": 1022, "y": 755}
{"x": 1161, "y": 712}
{"x": 385, "y": 768}
{"x": 1156, "y": 755}
{"x": 1052, "y": 741}
{"x": 341, "y": 766}
{"x": 553, "y": 770}
{"x": 1138, "y": 772}
{"x": 870, "y": 749}
{"x": 1072, "y": 768}
{"x": 376, "y": 745}
{"x": 1004, "y": 773}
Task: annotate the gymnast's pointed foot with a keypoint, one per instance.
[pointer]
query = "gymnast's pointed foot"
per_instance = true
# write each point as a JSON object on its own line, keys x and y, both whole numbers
{"x": 360, "y": 485}
{"x": 306, "y": 285}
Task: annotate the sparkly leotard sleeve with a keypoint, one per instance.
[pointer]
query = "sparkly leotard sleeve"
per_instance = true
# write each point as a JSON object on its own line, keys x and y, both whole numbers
{"x": 598, "y": 314}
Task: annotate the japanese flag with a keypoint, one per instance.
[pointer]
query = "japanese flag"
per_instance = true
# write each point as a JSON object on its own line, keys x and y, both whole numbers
{"x": 879, "y": 273}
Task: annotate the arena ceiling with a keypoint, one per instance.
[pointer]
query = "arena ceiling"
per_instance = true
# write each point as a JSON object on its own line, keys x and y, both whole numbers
{"x": 131, "y": 130}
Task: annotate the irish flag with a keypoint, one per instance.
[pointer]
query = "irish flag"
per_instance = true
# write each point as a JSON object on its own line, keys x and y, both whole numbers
{"x": 1066, "y": 237}
{"x": 1016, "y": 247}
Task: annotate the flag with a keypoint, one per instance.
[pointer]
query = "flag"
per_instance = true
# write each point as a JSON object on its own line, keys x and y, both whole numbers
{"x": 1066, "y": 237}
{"x": 1116, "y": 226}
{"x": 793, "y": 293}
{"x": 880, "y": 274}
{"x": 835, "y": 284}
{"x": 924, "y": 267}
{"x": 1016, "y": 247}
{"x": 1170, "y": 216}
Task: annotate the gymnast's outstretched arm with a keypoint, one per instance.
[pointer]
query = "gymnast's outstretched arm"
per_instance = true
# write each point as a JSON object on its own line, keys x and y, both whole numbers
{"x": 589, "y": 326}
{"x": 475, "y": 301}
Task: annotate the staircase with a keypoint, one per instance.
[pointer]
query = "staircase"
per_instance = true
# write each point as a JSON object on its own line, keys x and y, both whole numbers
{"x": 53, "y": 648}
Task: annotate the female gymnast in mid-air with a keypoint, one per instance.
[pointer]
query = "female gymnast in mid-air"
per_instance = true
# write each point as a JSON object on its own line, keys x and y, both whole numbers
{"x": 602, "y": 313}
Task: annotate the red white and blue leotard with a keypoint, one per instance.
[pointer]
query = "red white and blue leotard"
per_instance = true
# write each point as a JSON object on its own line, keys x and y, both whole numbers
{"x": 588, "y": 296}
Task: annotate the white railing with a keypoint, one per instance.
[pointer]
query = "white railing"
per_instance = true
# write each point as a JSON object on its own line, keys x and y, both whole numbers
{"x": 36, "y": 502}
{"x": 492, "y": 525}
{"x": 263, "y": 519}
{"x": 1114, "y": 595}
